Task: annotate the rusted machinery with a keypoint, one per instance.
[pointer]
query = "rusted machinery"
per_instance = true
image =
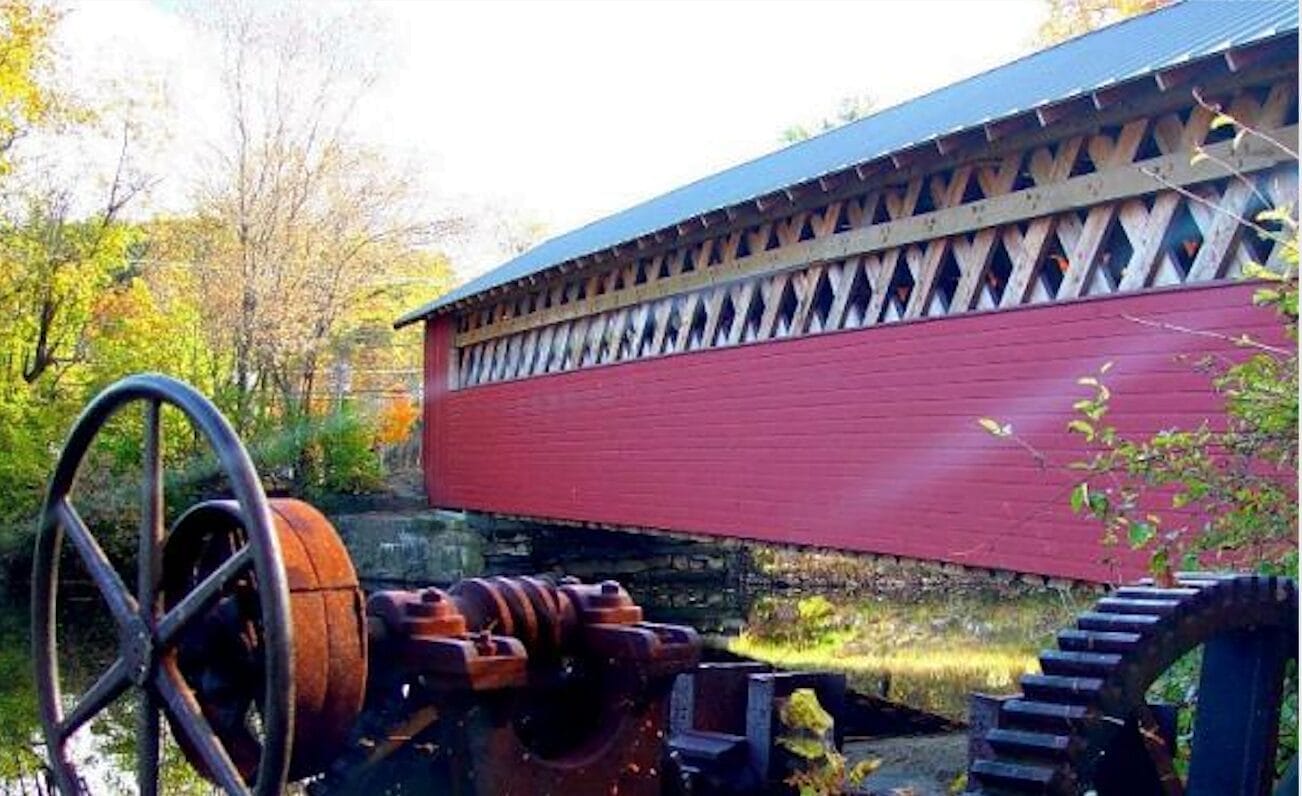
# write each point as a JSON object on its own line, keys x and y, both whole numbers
{"x": 247, "y": 629}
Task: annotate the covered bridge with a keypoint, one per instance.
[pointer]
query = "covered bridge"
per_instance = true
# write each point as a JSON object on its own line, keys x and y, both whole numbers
{"x": 798, "y": 349}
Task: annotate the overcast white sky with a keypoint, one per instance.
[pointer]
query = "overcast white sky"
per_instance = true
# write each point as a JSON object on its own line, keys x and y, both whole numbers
{"x": 564, "y": 112}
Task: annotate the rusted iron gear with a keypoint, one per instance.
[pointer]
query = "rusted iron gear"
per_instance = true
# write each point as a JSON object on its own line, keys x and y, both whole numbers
{"x": 546, "y": 618}
{"x": 514, "y": 685}
{"x": 219, "y": 658}
{"x": 1064, "y": 735}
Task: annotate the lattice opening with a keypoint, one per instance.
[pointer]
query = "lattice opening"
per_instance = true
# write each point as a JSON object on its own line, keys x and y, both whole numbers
{"x": 648, "y": 336}
{"x": 664, "y": 265}
{"x": 1183, "y": 239}
{"x": 635, "y": 336}
{"x": 1259, "y": 245}
{"x": 727, "y": 314}
{"x": 544, "y": 356}
{"x": 880, "y": 214}
{"x": 640, "y": 277}
{"x": 926, "y": 204}
{"x": 743, "y": 244}
{"x": 697, "y": 329}
{"x": 807, "y": 228}
{"x": 843, "y": 217}
{"x": 1048, "y": 276}
{"x": 1148, "y": 148}
{"x": 587, "y": 345}
{"x": 897, "y": 293}
{"x": 773, "y": 241}
{"x": 1023, "y": 180}
{"x": 754, "y": 315}
{"x": 1114, "y": 256}
{"x": 856, "y": 304}
{"x": 821, "y": 302}
{"x": 995, "y": 280}
{"x": 972, "y": 191}
{"x": 946, "y": 284}
{"x": 712, "y": 252}
{"x": 672, "y": 324}
{"x": 1223, "y": 133}
{"x": 786, "y": 310}
{"x": 689, "y": 261}
{"x": 1084, "y": 163}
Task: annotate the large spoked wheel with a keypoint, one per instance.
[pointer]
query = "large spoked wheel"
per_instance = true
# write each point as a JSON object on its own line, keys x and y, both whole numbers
{"x": 148, "y": 636}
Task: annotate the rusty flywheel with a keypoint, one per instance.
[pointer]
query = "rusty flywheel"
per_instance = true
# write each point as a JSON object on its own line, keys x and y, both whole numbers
{"x": 219, "y": 655}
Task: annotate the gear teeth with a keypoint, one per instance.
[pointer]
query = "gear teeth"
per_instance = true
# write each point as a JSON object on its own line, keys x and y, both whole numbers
{"x": 1156, "y": 593}
{"x": 1055, "y": 688}
{"x": 1098, "y": 641}
{"x": 1124, "y": 623}
{"x": 1005, "y": 777}
{"x": 1035, "y": 715}
{"x": 1127, "y": 605}
{"x": 1026, "y": 744}
{"x": 1048, "y": 737}
{"x": 1078, "y": 664}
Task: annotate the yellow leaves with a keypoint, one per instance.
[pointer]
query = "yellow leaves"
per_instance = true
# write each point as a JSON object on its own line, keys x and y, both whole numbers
{"x": 993, "y": 427}
{"x": 802, "y": 711}
{"x": 1070, "y": 18}
{"x": 863, "y": 769}
{"x": 26, "y": 97}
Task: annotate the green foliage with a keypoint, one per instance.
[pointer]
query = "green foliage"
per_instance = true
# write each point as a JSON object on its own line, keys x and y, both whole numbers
{"x": 19, "y": 760}
{"x": 819, "y": 768}
{"x": 849, "y": 109}
{"x": 1233, "y": 475}
{"x": 807, "y": 622}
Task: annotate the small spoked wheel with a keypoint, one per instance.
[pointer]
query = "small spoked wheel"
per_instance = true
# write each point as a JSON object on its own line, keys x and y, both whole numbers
{"x": 150, "y": 632}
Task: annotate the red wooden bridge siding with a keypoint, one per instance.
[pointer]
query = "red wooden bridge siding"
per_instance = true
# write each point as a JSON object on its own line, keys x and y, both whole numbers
{"x": 864, "y": 440}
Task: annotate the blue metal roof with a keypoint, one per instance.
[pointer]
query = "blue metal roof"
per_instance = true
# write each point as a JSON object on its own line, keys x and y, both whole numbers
{"x": 1133, "y": 48}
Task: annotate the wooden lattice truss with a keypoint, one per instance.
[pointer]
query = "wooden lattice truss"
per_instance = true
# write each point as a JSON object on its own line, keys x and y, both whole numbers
{"x": 1118, "y": 208}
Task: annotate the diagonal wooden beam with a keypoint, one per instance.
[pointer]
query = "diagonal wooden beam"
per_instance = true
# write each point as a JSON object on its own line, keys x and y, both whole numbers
{"x": 1147, "y": 231}
{"x": 1107, "y": 185}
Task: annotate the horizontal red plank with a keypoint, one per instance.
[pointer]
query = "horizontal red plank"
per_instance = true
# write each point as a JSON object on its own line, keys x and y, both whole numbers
{"x": 862, "y": 440}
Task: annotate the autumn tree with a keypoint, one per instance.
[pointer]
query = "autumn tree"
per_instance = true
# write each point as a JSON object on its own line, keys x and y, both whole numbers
{"x": 311, "y": 223}
{"x": 27, "y": 99}
{"x": 1070, "y": 18}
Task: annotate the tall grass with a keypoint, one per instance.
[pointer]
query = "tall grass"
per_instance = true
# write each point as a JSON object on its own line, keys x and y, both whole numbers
{"x": 928, "y": 654}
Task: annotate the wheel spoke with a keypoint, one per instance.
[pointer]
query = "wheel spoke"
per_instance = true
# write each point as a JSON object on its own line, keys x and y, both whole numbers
{"x": 151, "y": 515}
{"x": 107, "y": 688}
{"x": 120, "y": 602}
{"x": 1151, "y": 734}
{"x": 202, "y": 596}
{"x": 147, "y": 744}
{"x": 184, "y": 710}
